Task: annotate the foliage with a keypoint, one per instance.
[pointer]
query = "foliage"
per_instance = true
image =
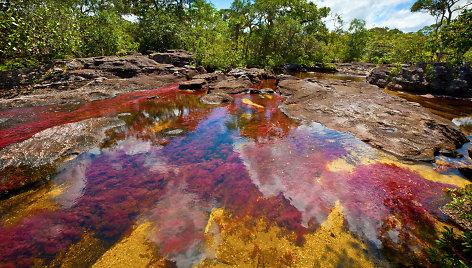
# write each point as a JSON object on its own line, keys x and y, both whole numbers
{"x": 251, "y": 33}
{"x": 462, "y": 202}
{"x": 453, "y": 250}
{"x": 357, "y": 40}
{"x": 53, "y": 29}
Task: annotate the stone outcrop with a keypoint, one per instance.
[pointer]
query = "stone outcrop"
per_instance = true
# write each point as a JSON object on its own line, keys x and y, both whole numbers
{"x": 57, "y": 143}
{"x": 216, "y": 98}
{"x": 211, "y": 77}
{"x": 194, "y": 84}
{"x": 253, "y": 74}
{"x": 88, "y": 79}
{"x": 435, "y": 78}
{"x": 232, "y": 86}
{"x": 355, "y": 68}
{"x": 374, "y": 116}
{"x": 178, "y": 58}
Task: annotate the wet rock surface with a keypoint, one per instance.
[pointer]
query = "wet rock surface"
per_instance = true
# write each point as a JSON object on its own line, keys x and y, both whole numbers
{"x": 374, "y": 116}
{"x": 73, "y": 80}
{"x": 216, "y": 98}
{"x": 57, "y": 143}
{"x": 435, "y": 78}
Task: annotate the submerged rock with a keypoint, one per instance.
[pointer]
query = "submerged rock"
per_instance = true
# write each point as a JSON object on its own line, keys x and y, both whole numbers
{"x": 174, "y": 132}
{"x": 374, "y": 116}
{"x": 57, "y": 143}
{"x": 216, "y": 98}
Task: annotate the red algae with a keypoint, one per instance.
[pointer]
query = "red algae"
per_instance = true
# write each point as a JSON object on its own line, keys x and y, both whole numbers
{"x": 177, "y": 159}
{"x": 39, "y": 118}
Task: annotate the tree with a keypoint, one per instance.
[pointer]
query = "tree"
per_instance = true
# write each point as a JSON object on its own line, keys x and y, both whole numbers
{"x": 357, "y": 40}
{"x": 442, "y": 11}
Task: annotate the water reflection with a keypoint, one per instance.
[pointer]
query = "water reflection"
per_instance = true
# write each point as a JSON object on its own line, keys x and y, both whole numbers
{"x": 191, "y": 184}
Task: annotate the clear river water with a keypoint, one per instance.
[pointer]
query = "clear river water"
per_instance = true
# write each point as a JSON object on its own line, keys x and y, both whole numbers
{"x": 187, "y": 184}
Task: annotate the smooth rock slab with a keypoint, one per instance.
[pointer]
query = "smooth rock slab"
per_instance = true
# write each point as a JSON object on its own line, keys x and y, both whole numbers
{"x": 193, "y": 84}
{"x": 216, "y": 98}
{"x": 374, "y": 116}
{"x": 57, "y": 142}
{"x": 232, "y": 86}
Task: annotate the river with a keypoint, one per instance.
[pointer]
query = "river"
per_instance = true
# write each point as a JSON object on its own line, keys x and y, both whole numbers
{"x": 187, "y": 184}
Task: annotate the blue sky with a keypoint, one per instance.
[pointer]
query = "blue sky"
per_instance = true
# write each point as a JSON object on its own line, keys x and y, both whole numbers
{"x": 376, "y": 13}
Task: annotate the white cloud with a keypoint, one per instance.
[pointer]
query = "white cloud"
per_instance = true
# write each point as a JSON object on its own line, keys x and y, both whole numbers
{"x": 383, "y": 13}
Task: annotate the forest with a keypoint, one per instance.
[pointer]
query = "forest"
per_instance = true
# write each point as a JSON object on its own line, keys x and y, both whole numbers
{"x": 251, "y": 33}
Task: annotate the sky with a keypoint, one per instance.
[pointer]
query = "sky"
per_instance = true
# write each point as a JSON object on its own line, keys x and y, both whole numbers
{"x": 376, "y": 13}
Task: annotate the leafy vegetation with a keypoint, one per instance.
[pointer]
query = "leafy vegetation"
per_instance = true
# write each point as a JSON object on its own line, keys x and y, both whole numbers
{"x": 263, "y": 33}
{"x": 452, "y": 250}
{"x": 455, "y": 250}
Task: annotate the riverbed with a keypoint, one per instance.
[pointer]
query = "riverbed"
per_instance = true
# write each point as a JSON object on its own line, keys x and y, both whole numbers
{"x": 182, "y": 183}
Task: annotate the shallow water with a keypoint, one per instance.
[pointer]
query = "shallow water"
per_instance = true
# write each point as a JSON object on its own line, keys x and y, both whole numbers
{"x": 189, "y": 184}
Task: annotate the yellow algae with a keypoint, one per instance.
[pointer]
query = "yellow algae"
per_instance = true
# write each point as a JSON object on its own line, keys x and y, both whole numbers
{"x": 133, "y": 251}
{"x": 26, "y": 204}
{"x": 82, "y": 254}
{"x": 332, "y": 245}
{"x": 248, "y": 102}
{"x": 160, "y": 126}
{"x": 340, "y": 165}
{"x": 268, "y": 96}
{"x": 247, "y": 116}
{"x": 249, "y": 242}
{"x": 429, "y": 173}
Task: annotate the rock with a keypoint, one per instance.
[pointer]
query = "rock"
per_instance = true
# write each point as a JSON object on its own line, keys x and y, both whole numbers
{"x": 232, "y": 86}
{"x": 442, "y": 80}
{"x": 73, "y": 80}
{"x": 374, "y": 116}
{"x": 216, "y": 98}
{"x": 125, "y": 67}
{"x": 261, "y": 91}
{"x": 254, "y": 75}
{"x": 58, "y": 142}
{"x": 178, "y": 58}
{"x": 291, "y": 67}
{"x": 194, "y": 84}
{"x": 174, "y": 132}
{"x": 211, "y": 77}
{"x": 289, "y": 86}
{"x": 4, "y": 119}
{"x": 408, "y": 79}
{"x": 466, "y": 172}
{"x": 283, "y": 77}
{"x": 355, "y": 68}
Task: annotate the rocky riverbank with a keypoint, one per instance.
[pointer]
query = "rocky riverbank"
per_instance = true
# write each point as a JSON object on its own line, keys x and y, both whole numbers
{"x": 436, "y": 78}
{"x": 75, "y": 80}
{"x": 385, "y": 121}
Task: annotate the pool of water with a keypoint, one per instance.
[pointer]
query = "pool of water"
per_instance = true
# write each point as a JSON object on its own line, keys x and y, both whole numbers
{"x": 188, "y": 184}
